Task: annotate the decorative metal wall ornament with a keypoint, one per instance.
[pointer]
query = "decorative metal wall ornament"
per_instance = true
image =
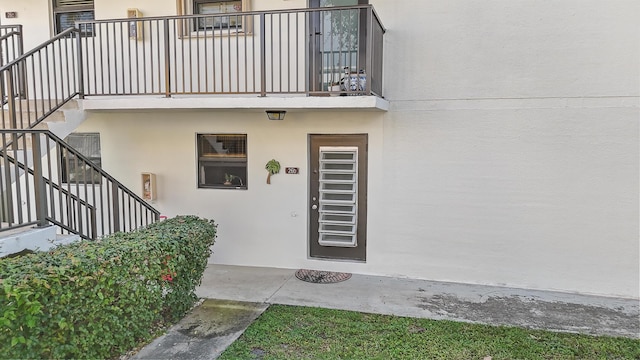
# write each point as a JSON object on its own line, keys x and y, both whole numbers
{"x": 273, "y": 167}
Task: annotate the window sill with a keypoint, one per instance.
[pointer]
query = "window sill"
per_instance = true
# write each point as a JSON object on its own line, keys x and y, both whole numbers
{"x": 79, "y": 183}
{"x": 214, "y": 34}
{"x": 224, "y": 187}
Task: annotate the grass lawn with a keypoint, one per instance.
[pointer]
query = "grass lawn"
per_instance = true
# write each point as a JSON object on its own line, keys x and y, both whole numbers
{"x": 292, "y": 332}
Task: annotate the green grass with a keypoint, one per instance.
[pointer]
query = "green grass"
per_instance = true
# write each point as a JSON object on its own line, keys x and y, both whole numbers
{"x": 290, "y": 332}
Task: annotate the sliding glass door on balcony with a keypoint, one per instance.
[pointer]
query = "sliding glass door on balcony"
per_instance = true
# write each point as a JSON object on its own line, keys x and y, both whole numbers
{"x": 337, "y": 46}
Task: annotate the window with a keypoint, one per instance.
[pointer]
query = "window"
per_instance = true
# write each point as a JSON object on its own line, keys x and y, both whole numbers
{"x": 67, "y": 12}
{"x": 222, "y": 161}
{"x": 75, "y": 170}
{"x": 216, "y": 8}
{"x": 216, "y": 18}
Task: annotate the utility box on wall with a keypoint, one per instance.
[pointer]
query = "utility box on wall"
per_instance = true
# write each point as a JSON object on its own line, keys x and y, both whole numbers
{"x": 149, "y": 186}
{"x": 135, "y": 27}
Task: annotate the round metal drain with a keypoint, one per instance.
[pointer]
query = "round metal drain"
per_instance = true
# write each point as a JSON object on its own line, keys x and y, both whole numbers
{"x": 321, "y": 277}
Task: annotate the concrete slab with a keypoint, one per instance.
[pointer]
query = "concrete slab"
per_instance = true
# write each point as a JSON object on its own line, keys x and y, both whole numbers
{"x": 242, "y": 283}
{"x": 32, "y": 239}
{"x": 205, "y": 332}
{"x": 429, "y": 299}
{"x": 246, "y": 292}
{"x": 469, "y": 303}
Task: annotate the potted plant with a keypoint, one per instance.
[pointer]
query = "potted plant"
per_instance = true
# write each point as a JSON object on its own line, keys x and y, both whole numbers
{"x": 228, "y": 179}
{"x": 334, "y": 88}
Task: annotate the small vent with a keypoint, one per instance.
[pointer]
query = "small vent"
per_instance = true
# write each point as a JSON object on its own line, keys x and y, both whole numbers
{"x": 338, "y": 212}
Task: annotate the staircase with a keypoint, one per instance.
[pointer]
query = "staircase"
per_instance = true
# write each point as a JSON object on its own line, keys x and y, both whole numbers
{"x": 38, "y": 92}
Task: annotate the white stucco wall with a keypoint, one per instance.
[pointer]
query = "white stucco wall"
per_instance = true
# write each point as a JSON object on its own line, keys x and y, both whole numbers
{"x": 265, "y": 225}
{"x": 468, "y": 49}
{"x": 526, "y": 115}
{"x": 35, "y": 15}
{"x": 509, "y": 154}
{"x": 537, "y": 198}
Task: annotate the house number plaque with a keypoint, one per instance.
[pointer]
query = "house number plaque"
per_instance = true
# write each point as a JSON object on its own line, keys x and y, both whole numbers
{"x": 292, "y": 170}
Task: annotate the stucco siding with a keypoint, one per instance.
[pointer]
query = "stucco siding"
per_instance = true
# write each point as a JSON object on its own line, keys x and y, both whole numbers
{"x": 509, "y": 153}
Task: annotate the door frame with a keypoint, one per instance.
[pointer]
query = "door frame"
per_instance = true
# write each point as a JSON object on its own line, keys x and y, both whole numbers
{"x": 315, "y": 250}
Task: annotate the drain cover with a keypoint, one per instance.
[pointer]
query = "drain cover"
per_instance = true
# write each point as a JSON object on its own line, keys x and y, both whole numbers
{"x": 321, "y": 277}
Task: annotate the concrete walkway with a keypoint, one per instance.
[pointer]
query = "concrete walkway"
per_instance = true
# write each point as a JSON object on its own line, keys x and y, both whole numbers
{"x": 251, "y": 288}
{"x": 205, "y": 332}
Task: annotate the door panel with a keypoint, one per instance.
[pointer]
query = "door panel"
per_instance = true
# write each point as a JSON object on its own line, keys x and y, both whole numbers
{"x": 337, "y": 198}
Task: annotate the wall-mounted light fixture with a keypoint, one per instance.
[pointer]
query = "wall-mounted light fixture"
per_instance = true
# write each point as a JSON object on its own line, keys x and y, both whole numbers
{"x": 276, "y": 114}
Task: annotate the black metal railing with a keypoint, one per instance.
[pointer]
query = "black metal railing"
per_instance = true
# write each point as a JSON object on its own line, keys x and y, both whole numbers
{"x": 48, "y": 76}
{"x": 11, "y": 47}
{"x": 303, "y": 51}
{"x": 45, "y": 181}
{"x": 11, "y": 43}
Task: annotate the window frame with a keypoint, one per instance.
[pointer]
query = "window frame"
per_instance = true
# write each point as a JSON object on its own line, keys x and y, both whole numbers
{"x": 239, "y": 181}
{"x": 228, "y": 27}
{"x": 66, "y": 160}
{"x": 58, "y": 9}
{"x": 189, "y": 27}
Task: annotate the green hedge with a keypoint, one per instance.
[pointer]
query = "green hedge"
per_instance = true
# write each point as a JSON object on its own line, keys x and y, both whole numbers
{"x": 100, "y": 299}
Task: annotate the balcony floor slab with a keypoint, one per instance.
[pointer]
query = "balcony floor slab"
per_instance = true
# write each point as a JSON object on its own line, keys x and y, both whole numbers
{"x": 239, "y": 102}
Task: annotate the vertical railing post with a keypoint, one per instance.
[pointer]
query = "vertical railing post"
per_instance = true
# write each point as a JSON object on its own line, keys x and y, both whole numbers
{"x": 369, "y": 37}
{"x": 167, "y": 60}
{"x": 39, "y": 190}
{"x": 116, "y": 207}
{"x": 79, "y": 65}
{"x": 93, "y": 226}
{"x": 8, "y": 191}
{"x": 11, "y": 100}
{"x": 22, "y": 74}
{"x": 263, "y": 56}
{"x": 1, "y": 51}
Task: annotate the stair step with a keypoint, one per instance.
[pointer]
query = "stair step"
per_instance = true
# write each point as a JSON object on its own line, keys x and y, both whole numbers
{"x": 24, "y": 117}
{"x": 32, "y": 239}
{"x": 46, "y": 104}
{"x": 57, "y": 116}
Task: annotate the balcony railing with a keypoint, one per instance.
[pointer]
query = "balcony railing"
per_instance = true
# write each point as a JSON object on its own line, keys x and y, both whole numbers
{"x": 303, "y": 51}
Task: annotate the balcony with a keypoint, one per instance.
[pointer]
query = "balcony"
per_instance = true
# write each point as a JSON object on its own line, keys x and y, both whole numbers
{"x": 305, "y": 58}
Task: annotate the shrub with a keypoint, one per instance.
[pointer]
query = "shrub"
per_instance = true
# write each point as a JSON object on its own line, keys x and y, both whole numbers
{"x": 99, "y": 299}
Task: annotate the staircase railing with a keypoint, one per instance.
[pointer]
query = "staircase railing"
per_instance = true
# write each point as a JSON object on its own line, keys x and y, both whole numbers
{"x": 11, "y": 44}
{"x": 49, "y": 73}
{"x": 11, "y": 47}
{"x": 44, "y": 180}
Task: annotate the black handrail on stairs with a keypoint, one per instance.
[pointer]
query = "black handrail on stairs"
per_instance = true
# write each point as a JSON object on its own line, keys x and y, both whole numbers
{"x": 54, "y": 183}
{"x": 43, "y": 180}
{"x": 49, "y": 73}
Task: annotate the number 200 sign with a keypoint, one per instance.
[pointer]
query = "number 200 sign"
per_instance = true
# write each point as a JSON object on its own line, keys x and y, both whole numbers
{"x": 292, "y": 170}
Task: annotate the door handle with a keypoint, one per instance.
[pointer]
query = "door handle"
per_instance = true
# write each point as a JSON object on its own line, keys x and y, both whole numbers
{"x": 314, "y": 206}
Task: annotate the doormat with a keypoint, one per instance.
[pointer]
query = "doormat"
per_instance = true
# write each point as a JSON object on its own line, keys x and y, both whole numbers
{"x": 321, "y": 277}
